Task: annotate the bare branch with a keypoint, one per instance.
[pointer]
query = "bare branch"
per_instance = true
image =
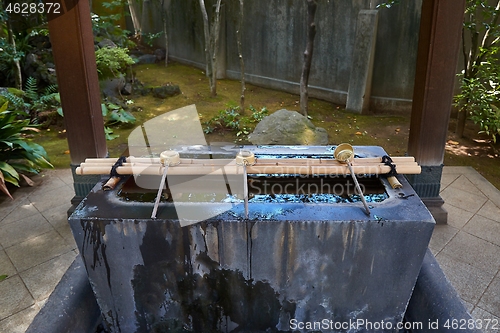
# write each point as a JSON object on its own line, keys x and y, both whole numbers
{"x": 304, "y": 78}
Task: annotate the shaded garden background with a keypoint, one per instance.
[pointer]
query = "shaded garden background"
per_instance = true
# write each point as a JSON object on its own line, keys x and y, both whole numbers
{"x": 274, "y": 37}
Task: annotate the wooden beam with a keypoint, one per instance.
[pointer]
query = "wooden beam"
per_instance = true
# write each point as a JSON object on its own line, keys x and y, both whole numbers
{"x": 437, "y": 57}
{"x": 74, "y": 57}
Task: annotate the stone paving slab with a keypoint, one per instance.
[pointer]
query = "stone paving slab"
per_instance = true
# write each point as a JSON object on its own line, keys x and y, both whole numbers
{"x": 36, "y": 244}
{"x": 488, "y": 319}
{"x": 470, "y": 257}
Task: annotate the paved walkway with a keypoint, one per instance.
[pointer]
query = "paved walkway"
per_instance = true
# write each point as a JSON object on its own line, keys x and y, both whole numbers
{"x": 36, "y": 245}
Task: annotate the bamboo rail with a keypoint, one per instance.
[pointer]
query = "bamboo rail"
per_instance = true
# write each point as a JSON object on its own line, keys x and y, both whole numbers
{"x": 403, "y": 165}
{"x": 294, "y": 161}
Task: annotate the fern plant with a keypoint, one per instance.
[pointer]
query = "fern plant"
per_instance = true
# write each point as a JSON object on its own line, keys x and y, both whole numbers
{"x": 15, "y": 99}
{"x": 30, "y": 102}
{"x": 40, "y": 102}
{"x": 18, "y": 156}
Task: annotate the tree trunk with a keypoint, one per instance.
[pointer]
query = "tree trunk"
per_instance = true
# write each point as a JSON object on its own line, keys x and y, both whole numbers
{"x": 311, "y": 33}
{"x": 136, "y": 22}
{"x": 239, "y": 34}
{"x": 215, "y": 34}
{"x": 462, "y": 113}
{"x": 210, "y": 55}
{"x": 18, "y": 78}
{"x": 164, "y": 6}
{"x": 166, "y": 39}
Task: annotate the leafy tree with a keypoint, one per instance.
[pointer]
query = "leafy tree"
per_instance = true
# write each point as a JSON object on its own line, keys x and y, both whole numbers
{"x": 480, "y": 78}
{"x": 10, "y": 55}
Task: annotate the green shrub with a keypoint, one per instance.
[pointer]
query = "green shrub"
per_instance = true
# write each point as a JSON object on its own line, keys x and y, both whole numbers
{"x": 112, "y": 62}
{"x": 8, "y": 56}
{"x": 18, "y": 155}
{"x": 113, "y": 114}
{"x": 479, "y": 96}
{"x": 107, "y": 27}
{"x": 480, "y": 79}
{"x": 230, "y": 119}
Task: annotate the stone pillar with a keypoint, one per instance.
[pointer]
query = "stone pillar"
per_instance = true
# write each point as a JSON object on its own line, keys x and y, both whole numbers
{"x": 74, "y": 56}
{"x": 437, "y": 57}
{"x": 360, "y": 79}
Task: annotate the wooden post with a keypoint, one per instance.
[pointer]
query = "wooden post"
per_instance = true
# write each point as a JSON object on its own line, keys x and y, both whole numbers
{"x": 437, "y": 57}
{"x": 74, "y": 56}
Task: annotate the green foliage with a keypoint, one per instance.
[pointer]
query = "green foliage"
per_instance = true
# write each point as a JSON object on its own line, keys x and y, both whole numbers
{"x": 230, "y": 119}
{"x": 106, "y": 26}
{"x": 30, "y": 102}
{"x": 258, "y": 115}
{"x": 479, "y": 97}
{"x": 15, "y": 99}
{"x": 479, "y": 82}
{"x": 148, "y": 38}
{"x": 8, "y": 56}
{"x": 49, "y": 99}
{"x": 116, "y": 114}
{"x": 18, "y": 155}
{"x": 388, "y": 4}
{"x": 112, "y": 62}
{"x": 113, "y": 115}
{"x": 3, "y": 277}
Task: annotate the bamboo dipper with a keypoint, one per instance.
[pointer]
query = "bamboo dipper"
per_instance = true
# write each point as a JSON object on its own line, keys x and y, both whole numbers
{"x": 244, "y": 158}
{"x": 167, "y": 158}
{"x": 344, "y": 153}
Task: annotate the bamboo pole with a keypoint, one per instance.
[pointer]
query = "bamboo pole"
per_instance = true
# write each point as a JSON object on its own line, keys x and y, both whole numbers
{"x": 294, "y": 161}
{"x": 408, "y": 168}
{"x": 256, "y": 166}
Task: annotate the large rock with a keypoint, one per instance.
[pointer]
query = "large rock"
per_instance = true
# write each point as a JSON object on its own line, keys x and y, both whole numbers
{"x": 285, "y": 127}
{"x": 146, "y": 59}
{"x": 112, "y": 87}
